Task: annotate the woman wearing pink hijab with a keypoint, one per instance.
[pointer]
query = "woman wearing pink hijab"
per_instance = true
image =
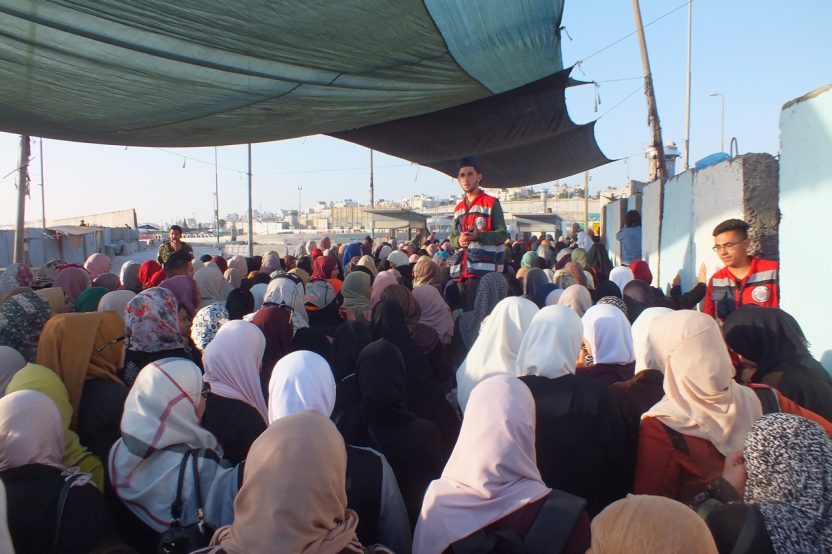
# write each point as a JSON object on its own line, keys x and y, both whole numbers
{"x": 491, "y": 481}
{"x": 73, "y": 281}
{"x": 97, "y": 264}
{"x": 383, "y": 280}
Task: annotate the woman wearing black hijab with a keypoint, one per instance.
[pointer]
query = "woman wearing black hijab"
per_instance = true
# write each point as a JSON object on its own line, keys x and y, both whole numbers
{"x": 603, "y": 289}
{"x": 350, "y": 339}
{"x": 313, "y": 340}
{"x": 384, "y": 421}
{"x": 639, "y": 296}
{"x": 425, "y": 396}
{"x": 773, "y": 340}
{"x": 239, "y": 303}
{"x": 305, "y": 263}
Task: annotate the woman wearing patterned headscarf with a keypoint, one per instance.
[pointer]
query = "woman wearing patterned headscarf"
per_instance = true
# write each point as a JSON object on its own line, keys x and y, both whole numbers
{"x": 152, "y": 331}
{"x": 787, "y": 495}
{"x": 206, "y": 323}
{"x": 21, "y": 319}
{"x": 16, "y": 275}
{"x": 423, "y": 336}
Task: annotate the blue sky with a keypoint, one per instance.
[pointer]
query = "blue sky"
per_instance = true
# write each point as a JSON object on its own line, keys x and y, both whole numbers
{"x": 759, "y": 54}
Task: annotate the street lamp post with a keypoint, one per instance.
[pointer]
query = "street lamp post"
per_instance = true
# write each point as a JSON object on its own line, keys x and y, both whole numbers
{"x": 721, "y": 120}
{"x": 300, "y": 188}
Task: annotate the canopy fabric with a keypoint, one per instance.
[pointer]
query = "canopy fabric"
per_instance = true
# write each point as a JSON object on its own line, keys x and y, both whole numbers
{"x": 521, "y": 137}
{"x": 397, "y": 219}
{"x": 212, "y": 72}
{"x": 535, "y": 222}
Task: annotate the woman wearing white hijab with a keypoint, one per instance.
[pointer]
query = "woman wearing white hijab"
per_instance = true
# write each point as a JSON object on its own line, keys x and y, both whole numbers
{"x": 578, "y": 436}
{"x": 289, "y": 291}
{"x": 577, "y": 298}
{"x": 212, "y": 286}
{"x": 637, "y": 395}
{"x": 302, "y": 381}
{"x": 704, "y": 411}
{"x": 491, "y": 473}
{"x": 11, "y": 361}
{"x": 609, "y": 342}
{"x": 116, "y": 301}
{"x": 621, "y": 275}
{"x": 495, "y": 350}
{"x": 161, "y": 424}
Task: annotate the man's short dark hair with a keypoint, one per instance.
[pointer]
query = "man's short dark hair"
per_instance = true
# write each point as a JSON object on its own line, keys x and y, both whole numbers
{"x": 632, "y": 219}
{"x": 177, "y": 262}
{"x": 469, "y": 161}
{"x": 732, "y": 225}
{"x": 176, "y": 228}
{"x": 205, "y": 258}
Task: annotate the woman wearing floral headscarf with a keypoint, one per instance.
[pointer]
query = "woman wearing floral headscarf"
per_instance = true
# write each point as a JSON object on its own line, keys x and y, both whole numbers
{"x": 152, "y": 331}
{"x": 21, "y": 319}
{"x": 16, "y": 275}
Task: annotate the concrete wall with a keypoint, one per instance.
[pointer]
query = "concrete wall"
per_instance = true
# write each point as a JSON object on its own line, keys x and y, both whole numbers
{"x": 120, "y": 218}
{"x": 745, "y": 187}
{"x": 42, "y": 247}
{"x": 805, "y": 200}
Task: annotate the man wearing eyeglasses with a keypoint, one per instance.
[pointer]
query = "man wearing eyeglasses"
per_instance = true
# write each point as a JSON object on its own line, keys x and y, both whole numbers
{"x": 478, "y": 232}
{"x": 744, "y": 279}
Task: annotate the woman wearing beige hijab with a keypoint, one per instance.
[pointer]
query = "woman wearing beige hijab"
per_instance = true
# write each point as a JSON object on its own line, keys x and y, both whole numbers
{"x": 704, "y": 416}
{"x": 641, "y": 524}
{"x": 293, "y": 499}
{"x": 576, "y": 297}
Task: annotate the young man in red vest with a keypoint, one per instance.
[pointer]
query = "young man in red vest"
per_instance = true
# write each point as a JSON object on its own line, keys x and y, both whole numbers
{"x": 744, "y": 279}
{"x": 479, "y": 231}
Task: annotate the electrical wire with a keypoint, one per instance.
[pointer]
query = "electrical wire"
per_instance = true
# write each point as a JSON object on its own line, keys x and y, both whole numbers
{"x": 628, "y": 35}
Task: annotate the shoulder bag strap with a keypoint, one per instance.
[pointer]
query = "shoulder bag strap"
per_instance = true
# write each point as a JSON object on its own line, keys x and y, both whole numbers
{"x": 176, "y": 507}
{"x": 200, "y": 512}
{"x": 553, "y": 527}
{"x": 61, "y": 503}
{"x": 768, "y": 399}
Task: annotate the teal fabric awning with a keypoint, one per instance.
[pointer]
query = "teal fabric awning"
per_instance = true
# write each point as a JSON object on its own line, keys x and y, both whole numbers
{"x": 212, "y": 72}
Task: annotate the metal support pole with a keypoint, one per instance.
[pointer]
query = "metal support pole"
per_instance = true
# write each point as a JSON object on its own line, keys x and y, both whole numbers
{"x": 586, "y": 201}
{"x": 42, "y": 187}
{"x": 372, "y": 184}
{"x": 687, "y": 89}
{"x": 217, "y": 198}
{"x": 22, "y": 189}
{"x": 300, "y": 188}
{"x": 250, "y": 214}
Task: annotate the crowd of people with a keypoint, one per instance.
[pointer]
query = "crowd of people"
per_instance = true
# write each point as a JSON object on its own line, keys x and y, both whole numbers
{"x": 473, "y": 394}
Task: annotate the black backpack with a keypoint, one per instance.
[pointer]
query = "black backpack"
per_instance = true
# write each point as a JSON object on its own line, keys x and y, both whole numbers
{"x": 549, "y": 534}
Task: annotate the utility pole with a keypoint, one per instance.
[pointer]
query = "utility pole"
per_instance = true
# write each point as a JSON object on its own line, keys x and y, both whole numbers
{"x": 653, "y": 119}
{"x": 42, "y": 188}
{"x": 22, "y": 190}
{"x": 372, "y": 185}
{"x": 687, "y": 89}
{"x": 250, "y": 215}
{"x": 652, "y": 109}
{"x": 217, "y": 198}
